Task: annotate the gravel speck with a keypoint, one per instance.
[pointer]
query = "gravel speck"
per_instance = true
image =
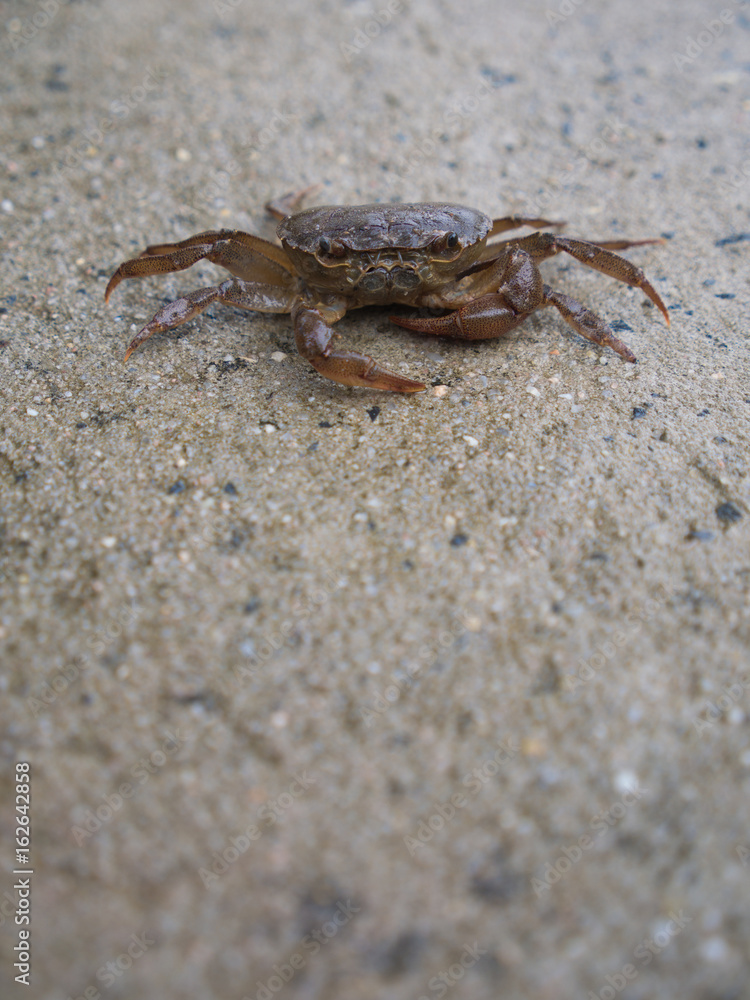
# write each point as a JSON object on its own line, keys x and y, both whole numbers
{"x": 727, "y": 513}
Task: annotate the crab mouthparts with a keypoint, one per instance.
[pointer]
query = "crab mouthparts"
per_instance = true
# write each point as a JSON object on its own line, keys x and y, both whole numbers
{"x": 394, "y": 277}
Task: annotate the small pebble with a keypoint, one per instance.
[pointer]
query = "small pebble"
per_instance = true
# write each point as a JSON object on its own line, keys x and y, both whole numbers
{"x": 727, "y": 513}
{"x": 278, "y": 356}
{"x": 714, "y": 949}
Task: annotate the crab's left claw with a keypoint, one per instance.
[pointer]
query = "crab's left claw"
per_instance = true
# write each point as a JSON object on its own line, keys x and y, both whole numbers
{"x": 313, "y": 335}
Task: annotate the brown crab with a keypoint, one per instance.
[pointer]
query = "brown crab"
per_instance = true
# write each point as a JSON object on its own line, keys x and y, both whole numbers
{"x": 434, "y": 255}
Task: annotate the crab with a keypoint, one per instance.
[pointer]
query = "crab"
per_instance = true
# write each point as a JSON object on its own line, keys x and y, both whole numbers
{"x": 434, "y": 255}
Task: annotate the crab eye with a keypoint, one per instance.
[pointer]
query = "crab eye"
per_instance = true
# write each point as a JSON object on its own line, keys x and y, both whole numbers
{"x": 331, "y": 248}
{"x": 451, "y": 240}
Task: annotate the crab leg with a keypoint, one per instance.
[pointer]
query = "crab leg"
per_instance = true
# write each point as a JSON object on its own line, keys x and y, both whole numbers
{"x": 290, "y": 203}
{"x": 516, "y": 221}
{"x": 233, "y": 291}
{"x": 313, "y": 334}
{"x": 521, "y": 293}
{"x": 248, "y": 257}
{"x": 543, "y": 245}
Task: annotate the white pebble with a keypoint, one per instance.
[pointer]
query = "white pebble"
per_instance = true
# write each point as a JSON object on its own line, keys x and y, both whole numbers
{"x": 714, "y": 949}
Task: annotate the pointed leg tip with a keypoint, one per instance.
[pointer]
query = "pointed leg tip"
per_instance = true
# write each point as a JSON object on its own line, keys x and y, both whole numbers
{"x": 408, "y": 323}
{"x": 128, "y": 353}
{"x": 114, "y": 281}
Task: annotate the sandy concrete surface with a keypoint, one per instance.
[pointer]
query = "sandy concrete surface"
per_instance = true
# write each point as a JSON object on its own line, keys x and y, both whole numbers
{"x": 329, "y": 693}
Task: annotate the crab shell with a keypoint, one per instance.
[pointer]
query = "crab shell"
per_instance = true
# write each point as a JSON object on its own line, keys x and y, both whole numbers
{"x": 383, "y": 253}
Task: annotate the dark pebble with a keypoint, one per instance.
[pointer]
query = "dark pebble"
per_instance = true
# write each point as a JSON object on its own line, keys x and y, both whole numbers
{"x": 177, "y": 487}
{"x": 252, "y": 605}
{"x": 324, "y": 423}
{"x": 231, "y": 489}
{"x": 729, "y": 240}
{"x": 638, "y": 412}
{"x": 620, "y": 325}
{"x": 727, "y": 513}
{"x": 374, "y": 412}
{"x": 459, "y": 540}
{"x": 701, "y": 536}
{"x": 724, "y": 295}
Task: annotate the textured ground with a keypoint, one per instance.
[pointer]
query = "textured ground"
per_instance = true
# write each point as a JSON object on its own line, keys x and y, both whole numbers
{"x": 329, "y": 693}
